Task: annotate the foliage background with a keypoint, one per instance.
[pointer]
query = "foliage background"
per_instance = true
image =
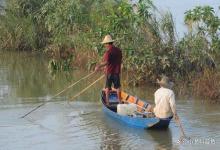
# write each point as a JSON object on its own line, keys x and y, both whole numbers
{"x": 70, "y": 32}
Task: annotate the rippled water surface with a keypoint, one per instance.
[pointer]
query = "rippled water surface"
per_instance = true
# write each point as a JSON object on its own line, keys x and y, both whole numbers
{"x": 61, "y": 125}
{"x": 80, "y": 124}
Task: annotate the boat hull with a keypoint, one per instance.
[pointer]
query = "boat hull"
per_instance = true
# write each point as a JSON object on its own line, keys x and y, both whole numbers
{"x": 138, "y": 122}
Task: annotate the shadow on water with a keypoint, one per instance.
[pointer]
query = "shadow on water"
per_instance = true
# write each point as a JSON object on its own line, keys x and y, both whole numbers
{"x": 58, "y": 124}
{"x": 162, "y": 138}
{"x": 117, "y": 135}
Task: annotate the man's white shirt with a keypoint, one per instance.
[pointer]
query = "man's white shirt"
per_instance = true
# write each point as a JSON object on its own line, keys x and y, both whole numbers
{"x": 164, "y": 103}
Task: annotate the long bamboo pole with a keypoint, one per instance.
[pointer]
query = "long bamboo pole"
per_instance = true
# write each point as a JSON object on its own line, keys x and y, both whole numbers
{"x": 57, "y": 95}
{"x": 82, "y": 91}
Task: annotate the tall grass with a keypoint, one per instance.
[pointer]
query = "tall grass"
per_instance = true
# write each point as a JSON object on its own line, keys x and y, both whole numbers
{"x": 71, "y": 31}
{"x": 207, "y": 84}
{"x": 17, "y": 33}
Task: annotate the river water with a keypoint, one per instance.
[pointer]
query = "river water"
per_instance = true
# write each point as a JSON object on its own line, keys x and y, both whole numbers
{"x": 80, "y": 124}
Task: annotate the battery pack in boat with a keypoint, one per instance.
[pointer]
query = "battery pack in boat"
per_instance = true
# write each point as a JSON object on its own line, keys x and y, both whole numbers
{"x": 126, "y": 109}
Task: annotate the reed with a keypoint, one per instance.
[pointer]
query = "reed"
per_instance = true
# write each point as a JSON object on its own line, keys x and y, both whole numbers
{"x": 207, "y": 85}
{"x": 70, "y": 33}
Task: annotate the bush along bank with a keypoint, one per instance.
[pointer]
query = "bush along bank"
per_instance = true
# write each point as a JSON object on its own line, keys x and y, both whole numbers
{"x": 70, "y": 33}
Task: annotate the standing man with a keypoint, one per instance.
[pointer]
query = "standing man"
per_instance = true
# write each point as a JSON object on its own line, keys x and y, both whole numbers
{"x": 165, "y": 106}
{"x": 112, "y": 60}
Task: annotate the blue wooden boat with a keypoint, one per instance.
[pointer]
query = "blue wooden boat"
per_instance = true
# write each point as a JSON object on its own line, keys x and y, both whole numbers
{"x": 140, "y": 120}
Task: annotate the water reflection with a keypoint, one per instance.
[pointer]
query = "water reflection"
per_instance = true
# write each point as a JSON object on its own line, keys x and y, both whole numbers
{"x": 119, "y": 136}
{"x": 162, "y": 139}
{"x": 110, "y": 140}
{"x": 24, "y": 78}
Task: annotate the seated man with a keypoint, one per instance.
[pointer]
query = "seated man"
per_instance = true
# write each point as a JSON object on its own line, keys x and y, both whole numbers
{"x": 164, "y": 97}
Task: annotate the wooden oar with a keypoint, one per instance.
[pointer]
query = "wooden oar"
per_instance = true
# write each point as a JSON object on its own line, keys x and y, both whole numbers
{"x": 183, "y": 135}
{"x": 181, "y": 128}
{"x": 57, "y": 94}
{"x": 82, "y": 91}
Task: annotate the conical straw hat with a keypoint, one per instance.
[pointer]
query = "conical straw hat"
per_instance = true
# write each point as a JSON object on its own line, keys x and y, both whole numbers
{"x": 107, "y": 39}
